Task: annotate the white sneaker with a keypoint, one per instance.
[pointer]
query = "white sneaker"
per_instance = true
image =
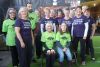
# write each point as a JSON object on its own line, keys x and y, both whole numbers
{"x": 83, "y": 63}
{"x": 93, "y": 59}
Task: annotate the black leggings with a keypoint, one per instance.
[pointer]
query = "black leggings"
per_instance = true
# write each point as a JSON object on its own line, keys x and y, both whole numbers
{"x": 50, "y": 59}
{"x": 14, "y": 55}
{"x": 82, "y": 46}
{"x": 25, "y": 54}
{"x": 89, "y": 47}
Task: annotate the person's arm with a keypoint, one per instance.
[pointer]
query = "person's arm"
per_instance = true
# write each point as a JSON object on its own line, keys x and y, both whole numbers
{"x": 54, "y": 27}
{"x": 17, "y": 30}
{"x": 45, "y": 46}
{"x": 42, "y": 27}
{"x": 72, "y": 30}
{"x": 5, "y": 26}
{"x": 86, "y": 30}
{"x": 59, "y": 45}
{"x": 32, "y": 38}
{"x": 93, "y": 30}
{"x": 54, "y": 46}
{"x": 68, "y": 44}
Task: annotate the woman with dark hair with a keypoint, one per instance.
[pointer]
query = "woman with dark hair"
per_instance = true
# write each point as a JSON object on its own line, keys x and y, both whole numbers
{"x": 8, "y": 26}
{"x": 67, "y": 18}
{"x": 63, "y": 39}
{"x": 60, "y": 16}
{"x": 79, "y": 32}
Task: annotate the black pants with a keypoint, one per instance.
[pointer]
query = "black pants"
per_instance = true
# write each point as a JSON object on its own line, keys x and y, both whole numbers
{"x": 25, "y": 54}
{"x": 38, "y": 45}
{"x": 14, "y": 55}
{"x": 89, "y": 47}
{"x": 82, "y": 46}
{"x": 50, "y": 59}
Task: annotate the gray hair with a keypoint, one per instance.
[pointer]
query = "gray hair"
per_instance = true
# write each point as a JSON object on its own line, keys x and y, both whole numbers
{"x": 7, "y": 14}
{"x": 47, "y": 24}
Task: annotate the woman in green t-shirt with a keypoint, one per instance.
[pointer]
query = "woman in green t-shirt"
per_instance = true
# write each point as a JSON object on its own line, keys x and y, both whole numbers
{"x": 48, "y": 39}
{"x": 63, "y": 40}
{"x": 8, "y": 27}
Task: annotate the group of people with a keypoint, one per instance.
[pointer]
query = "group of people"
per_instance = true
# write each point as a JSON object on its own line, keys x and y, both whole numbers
{"x": 50, "y": 31}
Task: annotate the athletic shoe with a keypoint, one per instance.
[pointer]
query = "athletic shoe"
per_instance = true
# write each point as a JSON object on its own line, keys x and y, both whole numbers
{"x": 83, "y": 63}
{"x": 93, "y": 59}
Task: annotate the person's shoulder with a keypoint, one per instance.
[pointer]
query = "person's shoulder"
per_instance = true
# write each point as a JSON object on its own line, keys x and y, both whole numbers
{"x": 54, "y": 33}
{"x": 58, "y": 33}
{"x": 84, "y": 17}
{"x": 6, "y": 21}
{"x": 18, "y": 19}
{"x": 74, "y": 17}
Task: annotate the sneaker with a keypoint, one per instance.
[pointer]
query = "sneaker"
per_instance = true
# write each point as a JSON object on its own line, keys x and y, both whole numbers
{"x": 73, "y": 60}
{"x": 15, "y": 66}
{"x": 33, "y": 60}
{"x": 83, "y": 63}
{"x": 93, "y": 59}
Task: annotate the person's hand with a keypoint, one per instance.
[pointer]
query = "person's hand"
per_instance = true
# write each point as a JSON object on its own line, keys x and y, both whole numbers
{"x": 32, "y": 42}
{"x": 53, "y": 51}
{"x": 64, "y": 49}
{"x": 84, "y": 38}
{"x": 91, "y": 37}
{"x": 22, "y": 45}
{"x": 48, "y": 52}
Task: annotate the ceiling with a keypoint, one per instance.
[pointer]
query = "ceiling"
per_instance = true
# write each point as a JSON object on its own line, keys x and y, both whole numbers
{"x": 91, "y": 3}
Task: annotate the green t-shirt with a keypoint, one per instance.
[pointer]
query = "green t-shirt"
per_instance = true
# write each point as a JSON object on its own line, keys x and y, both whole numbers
{"x": 49, "y": 39}
{"x": 33, "y": 17}
{"x": 63, "y": 38}
{"x": 8, "y": 26}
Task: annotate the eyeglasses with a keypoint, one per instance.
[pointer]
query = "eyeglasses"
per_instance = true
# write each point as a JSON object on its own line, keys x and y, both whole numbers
{"x": 12, "y": 12}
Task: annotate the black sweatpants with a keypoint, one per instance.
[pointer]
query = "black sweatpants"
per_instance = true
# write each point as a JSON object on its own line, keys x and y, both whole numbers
{"x": 25, "y": 54}
{"x": 38, "y": 45}
{"x": 50, "y": 59}
{"x": 89, "y": 46}
{"x": 75, "y": 42}
{"x": 14, "y": 55}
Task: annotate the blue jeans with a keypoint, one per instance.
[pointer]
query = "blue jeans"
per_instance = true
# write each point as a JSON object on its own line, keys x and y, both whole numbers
{"x": 61, "y": 54}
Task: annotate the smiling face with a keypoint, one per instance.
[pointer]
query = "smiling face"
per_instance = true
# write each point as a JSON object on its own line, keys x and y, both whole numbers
{"x": 78, "y": 11}
{"x": 29, "y": 7}
{"x": 66, "y": 12}
{"x": 87, "y": 13}
{"x": 23, "y": 12}
{"x": 63, "y": 27}
{"x": 47, "y": 12}
{"x": 49, "y": 27}
{"x": 12, "y": 14}
{"x": 52, "y": 13}
{"x": 60, "y": 14}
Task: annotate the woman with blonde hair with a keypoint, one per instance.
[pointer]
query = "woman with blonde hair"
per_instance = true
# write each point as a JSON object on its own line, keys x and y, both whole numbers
{"x": 24, "y": 38}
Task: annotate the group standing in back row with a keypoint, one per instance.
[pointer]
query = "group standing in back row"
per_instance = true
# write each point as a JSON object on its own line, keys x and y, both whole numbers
{"x": 56, "y": 31}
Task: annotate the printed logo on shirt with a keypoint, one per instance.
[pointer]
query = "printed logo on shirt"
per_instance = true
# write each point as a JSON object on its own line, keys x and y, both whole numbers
{"x": 78, "y": 21}
{"x": 67, "y": 22}
{"x": 64, "y": 38}
{"x": 50, "y": 38}
{"x": 31, "y": 18}
{"x": 27, "y": 25}
{"x": 48, "y": 21}
{"x": 89, "y": 20}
